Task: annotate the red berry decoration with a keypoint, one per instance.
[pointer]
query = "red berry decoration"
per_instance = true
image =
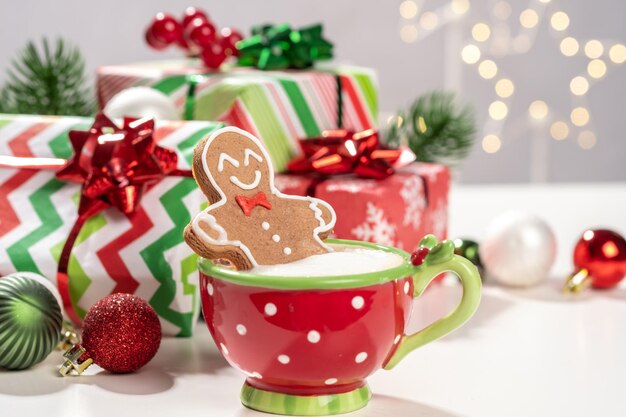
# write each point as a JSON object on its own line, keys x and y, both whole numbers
{"x": 196, "y": 34}
{"x": 229, "y": 40}
{"x": 419, "y": 255}
{"x": 600, "y": 260}
{"x": 121, "y": 333}
{"x": 191, "y": 13}
{"x": 154, "y": 44}
{"x": 213, "y": 56}
{"x": 201, "y": 33}
{"x": 163, "y": 31}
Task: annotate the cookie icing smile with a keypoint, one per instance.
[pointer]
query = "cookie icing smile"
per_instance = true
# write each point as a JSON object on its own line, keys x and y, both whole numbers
{"x": 243, "y": 185}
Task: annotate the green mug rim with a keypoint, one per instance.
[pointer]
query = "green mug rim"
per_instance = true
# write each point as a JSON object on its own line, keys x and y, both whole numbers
{"x": 403, "y": 270}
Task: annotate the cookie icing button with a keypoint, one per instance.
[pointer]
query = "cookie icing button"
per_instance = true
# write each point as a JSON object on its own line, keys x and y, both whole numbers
{"x": 276, "y": 238}
{"x": 265, "y": 225}
{"x": 287, "y": 251}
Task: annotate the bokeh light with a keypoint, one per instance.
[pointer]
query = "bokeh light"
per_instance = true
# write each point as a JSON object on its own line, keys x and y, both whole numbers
{"x": 579, "y": 86}
{"x": 529, "y": 18}
{"x": 594, "y": 49}
{"x": 587, "y": 139}
{"x": 408, "y": 33}
{"x": 569, "y": 46}
{"x": 487, "y": 69}
{"x": 408, "y": 9}
{"x": 502, "y": 10}
{"x": 470, "y": 54}
{"x": 596, "y": 68}
{"x": 505, "y": 88}
{"x": 481, "y": 32}
{"x": 538, "y": 109}
{"x": 559, "y": 130}
{"x": 498, "y": 110}
{"x": 559, "y": 21}
{"x": 491, "y": 144}
{"x": 580, "y": 116}
{"x": 429, "y": 20}
{"x": 460, "y": 6}
{"x": 617, "y": 53}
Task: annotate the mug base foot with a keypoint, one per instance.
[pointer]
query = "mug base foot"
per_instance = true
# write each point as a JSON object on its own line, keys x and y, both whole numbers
{"x": 304, "y": 405}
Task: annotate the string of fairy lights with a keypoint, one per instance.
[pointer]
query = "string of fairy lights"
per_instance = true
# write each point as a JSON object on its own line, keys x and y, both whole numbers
{"x": 493, "y": 38}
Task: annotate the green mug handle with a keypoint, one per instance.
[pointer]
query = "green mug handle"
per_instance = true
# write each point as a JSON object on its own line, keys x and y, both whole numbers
{"x": 423, "y": 275}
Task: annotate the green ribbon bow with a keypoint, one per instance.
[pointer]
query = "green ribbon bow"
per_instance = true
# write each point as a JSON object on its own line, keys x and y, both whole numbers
{"x": 279, "y": 47}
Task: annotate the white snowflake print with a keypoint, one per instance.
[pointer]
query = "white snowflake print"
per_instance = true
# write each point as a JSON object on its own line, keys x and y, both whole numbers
{"x": 284, "y": 182}
{"x": 350, "y": 186}
{"x": 376, "y": 227}
{"x": 440, "y": 220}
{"x": 414, "y": 201}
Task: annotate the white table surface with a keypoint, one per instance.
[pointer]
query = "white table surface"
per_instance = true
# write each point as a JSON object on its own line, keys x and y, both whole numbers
{"x": 525, "y": 353}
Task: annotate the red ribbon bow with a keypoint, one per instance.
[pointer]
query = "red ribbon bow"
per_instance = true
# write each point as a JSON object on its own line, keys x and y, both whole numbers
{"x": 342, "y": 151}
{"x": 247, "y": 204}
{"x": 115, "y": 166}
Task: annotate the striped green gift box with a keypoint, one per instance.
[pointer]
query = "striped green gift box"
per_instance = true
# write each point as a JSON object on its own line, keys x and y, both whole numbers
{"x": 279, "y": 107}
{"x": 143, "y": 253}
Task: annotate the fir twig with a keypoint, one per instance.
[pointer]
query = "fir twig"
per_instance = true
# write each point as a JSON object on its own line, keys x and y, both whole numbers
{"x": 435, "y": 127}
{"x": 47, "y": 81}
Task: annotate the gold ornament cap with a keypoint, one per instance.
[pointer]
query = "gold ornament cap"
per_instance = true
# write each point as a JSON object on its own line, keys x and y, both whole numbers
{"x": 76, "y": 359}
{"x": 577, "y": 282}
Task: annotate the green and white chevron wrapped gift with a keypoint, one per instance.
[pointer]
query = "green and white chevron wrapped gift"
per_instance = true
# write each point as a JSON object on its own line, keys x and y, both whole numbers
{"x": 143, "y": 253}
{"x": 279, "y": 107}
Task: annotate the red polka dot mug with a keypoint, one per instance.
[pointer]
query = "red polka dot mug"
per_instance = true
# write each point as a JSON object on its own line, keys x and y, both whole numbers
{"x": 307, "y": 345}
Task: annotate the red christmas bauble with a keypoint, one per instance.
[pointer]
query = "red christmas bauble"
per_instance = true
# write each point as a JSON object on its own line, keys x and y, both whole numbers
{"x": 201, "y": 33}
{"x": 603, "y": 254}
{"x": 192, "y": 13}
{"x": 229, "y": 40}
{"x": 214, "y": 55}
{"x": 121, "y": 333}
{"x": 164, "y": 29}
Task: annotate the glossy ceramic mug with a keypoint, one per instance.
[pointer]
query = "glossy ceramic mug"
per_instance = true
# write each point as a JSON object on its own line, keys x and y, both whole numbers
{"x": 308, "y": 344}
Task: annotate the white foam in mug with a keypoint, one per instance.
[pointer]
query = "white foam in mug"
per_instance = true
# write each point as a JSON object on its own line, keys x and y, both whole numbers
{"x": 345, "y": 260}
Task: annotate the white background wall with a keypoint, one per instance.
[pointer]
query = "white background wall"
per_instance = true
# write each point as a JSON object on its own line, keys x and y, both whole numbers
{"x": 366, "y": 32}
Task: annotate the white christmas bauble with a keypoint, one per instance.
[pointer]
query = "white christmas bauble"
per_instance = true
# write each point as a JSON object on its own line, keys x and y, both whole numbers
{"x": 141, "y": 102}
{"x": 518, "y": 250}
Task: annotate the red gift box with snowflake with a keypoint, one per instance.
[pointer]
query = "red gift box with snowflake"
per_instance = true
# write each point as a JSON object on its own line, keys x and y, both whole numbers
{"x": 398, "y": 210}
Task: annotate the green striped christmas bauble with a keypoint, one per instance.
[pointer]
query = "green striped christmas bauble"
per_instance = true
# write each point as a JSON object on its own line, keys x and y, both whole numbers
{"x": 30, "y": 320}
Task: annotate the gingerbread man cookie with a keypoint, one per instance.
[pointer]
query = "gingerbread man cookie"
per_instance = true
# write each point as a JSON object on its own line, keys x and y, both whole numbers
{"x": 249, "y": 222}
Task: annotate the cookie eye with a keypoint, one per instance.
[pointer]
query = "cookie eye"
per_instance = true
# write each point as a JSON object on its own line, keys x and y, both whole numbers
{"x": 226, "y": 157}
{"x": 250, "y": 153}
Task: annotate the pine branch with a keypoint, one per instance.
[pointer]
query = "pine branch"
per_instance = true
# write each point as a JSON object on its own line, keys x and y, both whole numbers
{"x": 47, "y": 81}
{"x": 435, "y": 127}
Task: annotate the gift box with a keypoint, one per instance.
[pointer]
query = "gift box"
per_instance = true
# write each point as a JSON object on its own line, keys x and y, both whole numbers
{"x": 142, "y": 252}
{"x": 397, "y": 211}
{"x": 278, "y": 107}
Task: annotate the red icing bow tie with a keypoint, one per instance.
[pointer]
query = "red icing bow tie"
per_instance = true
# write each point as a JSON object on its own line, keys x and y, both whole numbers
{"x": 342, "y": 151}
{"x": 247, "y": 204}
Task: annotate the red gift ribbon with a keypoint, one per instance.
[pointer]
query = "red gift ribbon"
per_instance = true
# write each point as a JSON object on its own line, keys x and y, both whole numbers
{"x": 343, "y": 151}
{"x": 115, "y": 166}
